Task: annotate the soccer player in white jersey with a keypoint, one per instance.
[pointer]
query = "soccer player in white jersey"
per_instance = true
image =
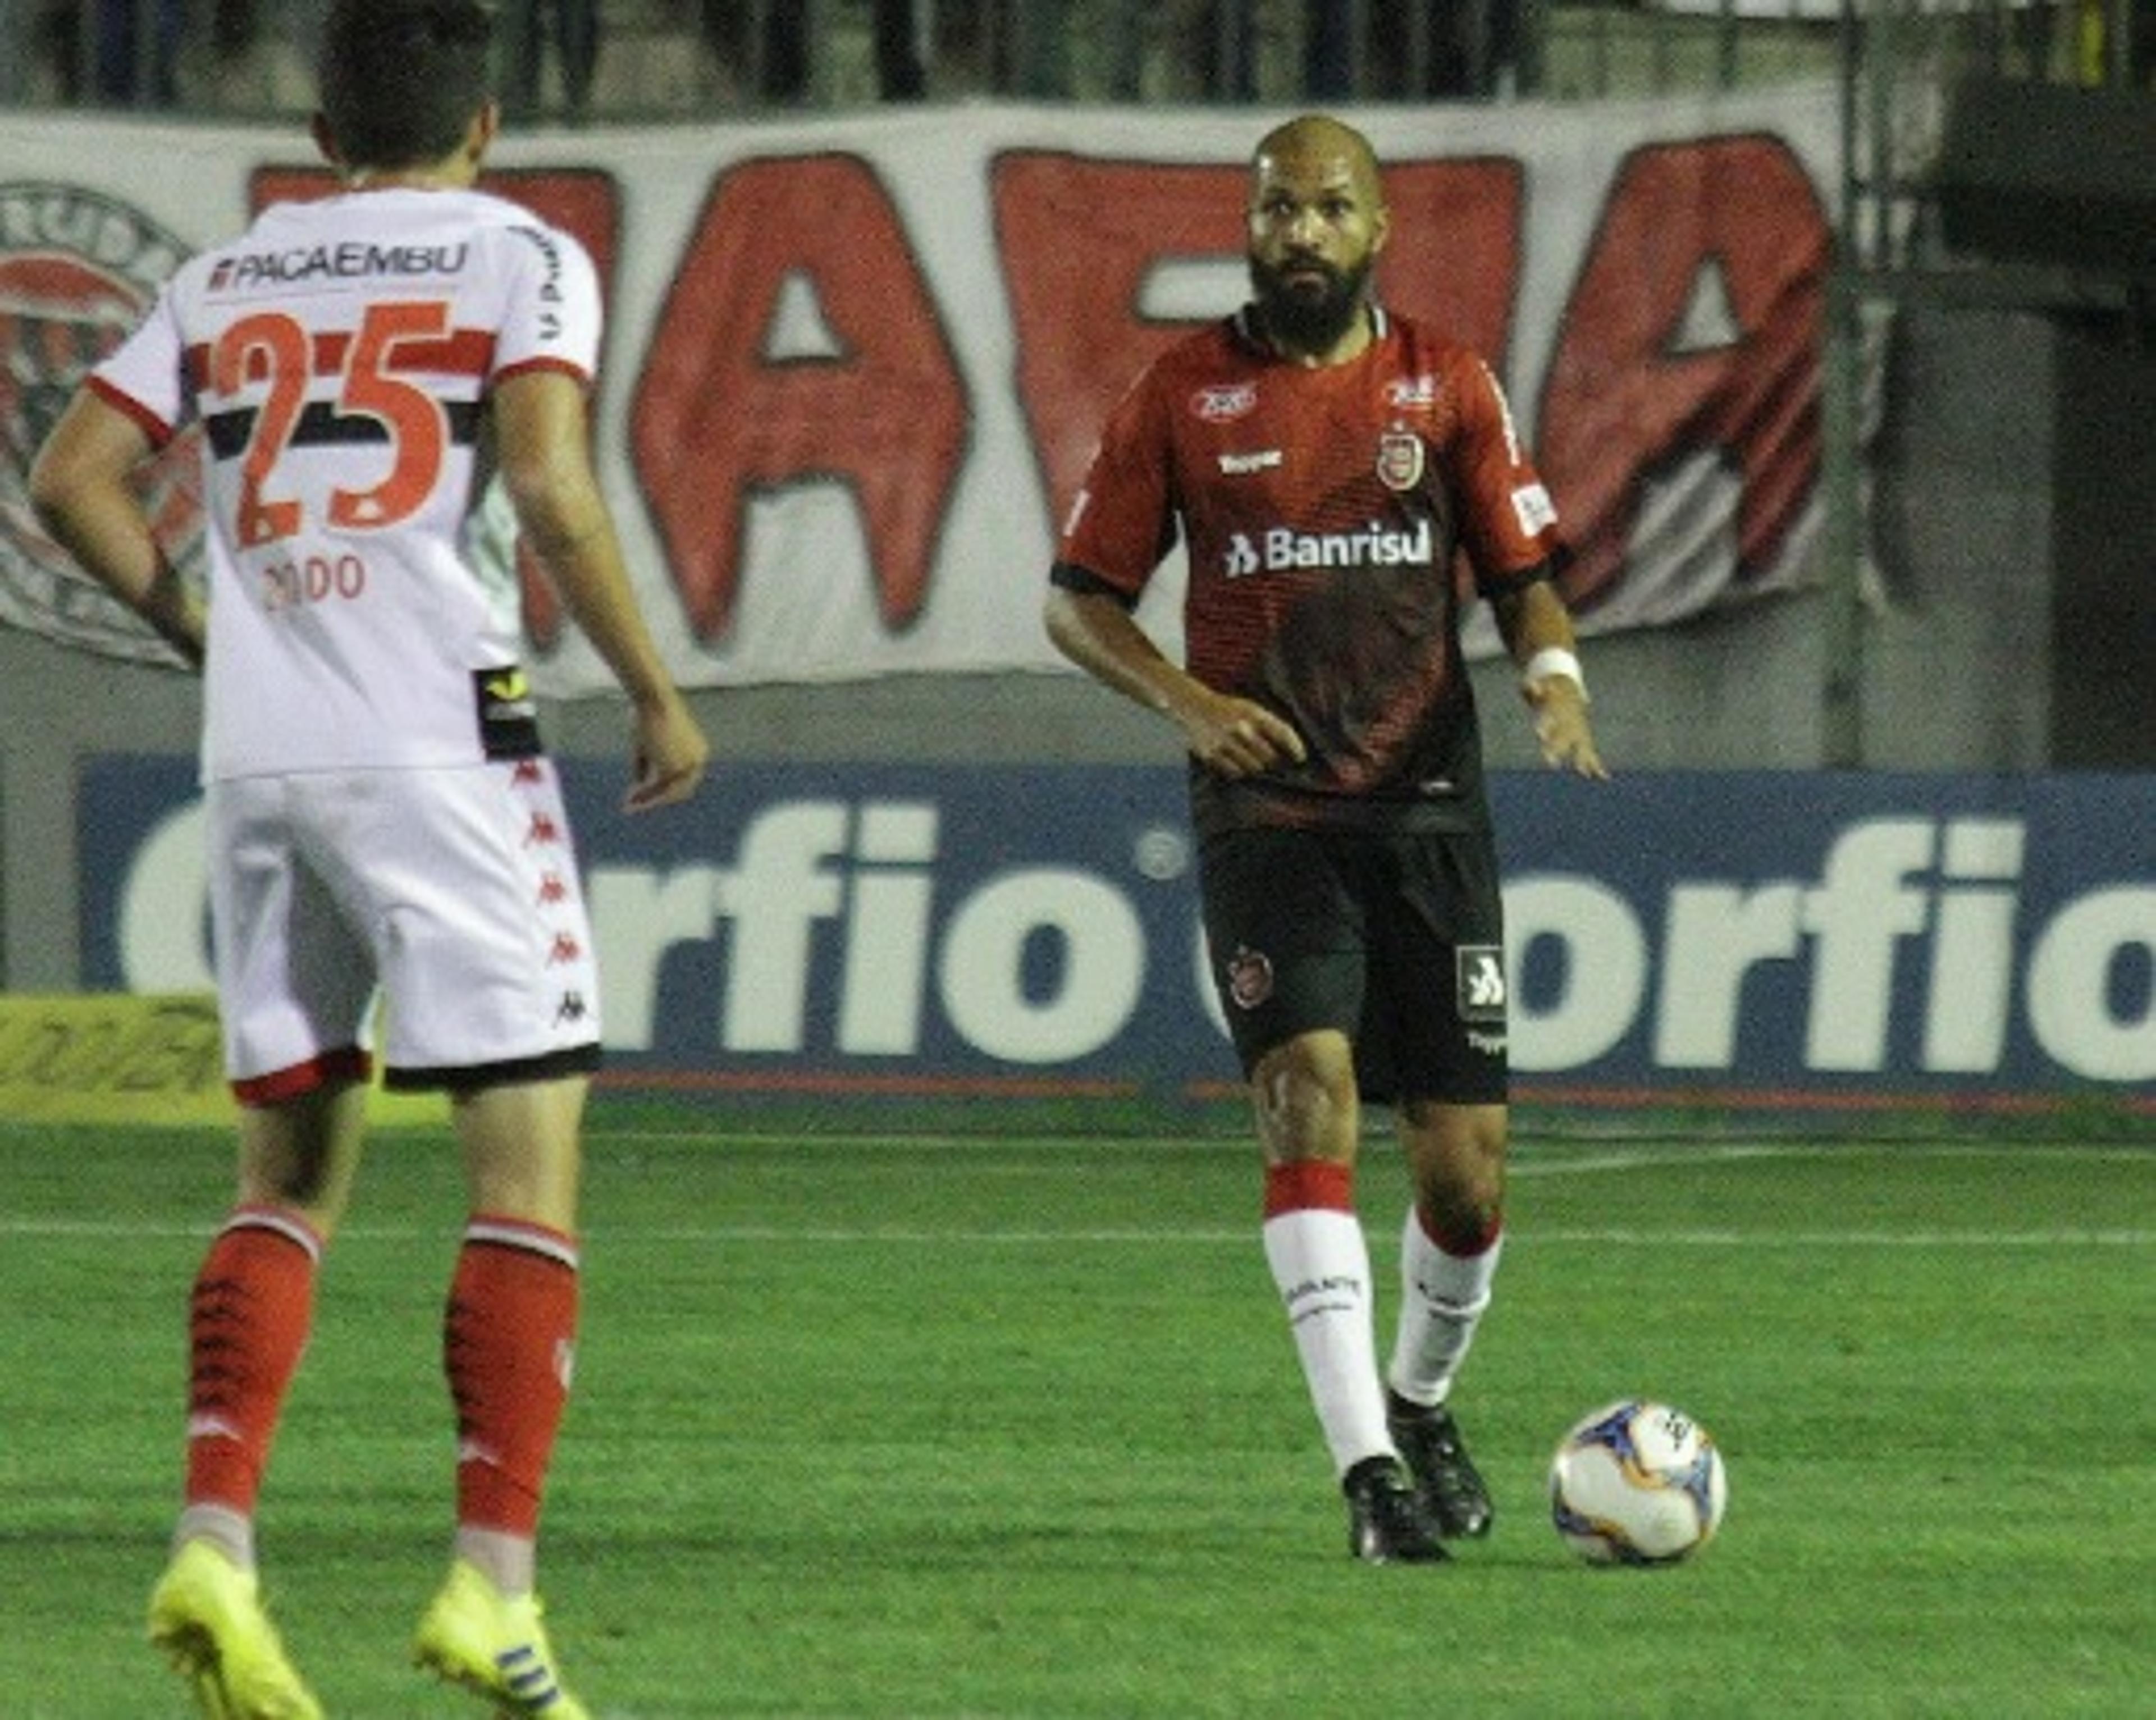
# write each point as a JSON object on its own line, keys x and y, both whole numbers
{"x": 381, "y": 814}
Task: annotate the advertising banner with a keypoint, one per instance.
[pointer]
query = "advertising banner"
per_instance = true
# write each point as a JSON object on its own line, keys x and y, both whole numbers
{"x": 937, "y": 930}
{"x": 855, "y": 364}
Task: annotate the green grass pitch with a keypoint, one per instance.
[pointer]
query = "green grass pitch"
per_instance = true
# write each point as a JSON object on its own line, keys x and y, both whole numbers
{"x": 979, "y": 1425}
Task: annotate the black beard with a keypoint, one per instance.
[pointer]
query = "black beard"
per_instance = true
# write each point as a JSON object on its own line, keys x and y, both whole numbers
{"x": 1303, "y": 321}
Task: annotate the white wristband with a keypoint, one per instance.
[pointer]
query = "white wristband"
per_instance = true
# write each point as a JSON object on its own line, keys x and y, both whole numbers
{"x": 1553, "y": 659}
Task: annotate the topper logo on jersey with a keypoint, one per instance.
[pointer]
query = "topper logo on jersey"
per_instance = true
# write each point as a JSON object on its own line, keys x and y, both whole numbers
{"x": 1283, "y": 548}
{"x": 76, "y": 272}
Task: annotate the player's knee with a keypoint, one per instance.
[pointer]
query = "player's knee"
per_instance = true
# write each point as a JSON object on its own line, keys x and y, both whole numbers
{"x": 1306, "y": 1104}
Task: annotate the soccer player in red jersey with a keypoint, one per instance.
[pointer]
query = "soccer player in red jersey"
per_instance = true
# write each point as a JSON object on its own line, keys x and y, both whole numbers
{"x": 1323, "y": 459}
{"x": 381, "y": 815}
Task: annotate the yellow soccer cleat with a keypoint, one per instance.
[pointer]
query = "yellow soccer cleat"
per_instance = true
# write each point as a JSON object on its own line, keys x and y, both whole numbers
{"x": 493, "y": 1645}
{"x": 206, "y": 1616}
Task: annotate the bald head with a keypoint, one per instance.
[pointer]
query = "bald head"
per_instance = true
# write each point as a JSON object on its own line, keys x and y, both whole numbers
{"x": 1318, "y": 145}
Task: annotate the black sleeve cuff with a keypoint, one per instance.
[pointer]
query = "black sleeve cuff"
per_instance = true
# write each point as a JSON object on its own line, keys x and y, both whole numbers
{"x": 1084, "y": 582}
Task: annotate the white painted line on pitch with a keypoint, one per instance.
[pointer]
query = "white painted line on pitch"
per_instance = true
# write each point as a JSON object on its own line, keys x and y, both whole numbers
{"x": 1529, "y": 1156}
{"x": 601, "y": 1238}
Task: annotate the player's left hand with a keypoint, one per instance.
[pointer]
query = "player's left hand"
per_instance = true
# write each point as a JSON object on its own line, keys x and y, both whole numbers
{"x": 1561, "y": 727}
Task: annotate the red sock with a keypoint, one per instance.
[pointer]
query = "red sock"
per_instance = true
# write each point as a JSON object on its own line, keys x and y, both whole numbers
{"x": 1474, "y": 1233}
{"x": 1304, "y": 1183}
{"x": 247, "y": 1327}
{"x": 508, "y": 1343}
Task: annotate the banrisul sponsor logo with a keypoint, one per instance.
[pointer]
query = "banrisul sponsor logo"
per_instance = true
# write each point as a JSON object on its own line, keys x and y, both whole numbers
{"x": 1284, "y": 549}
{"x": 77, "y": 272}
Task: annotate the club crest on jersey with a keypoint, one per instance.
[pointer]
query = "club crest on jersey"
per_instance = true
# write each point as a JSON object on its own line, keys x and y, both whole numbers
{"x": 1249, "y": 978}
{"x": 77, "y": 271}
{"x": 1399, "y": 459}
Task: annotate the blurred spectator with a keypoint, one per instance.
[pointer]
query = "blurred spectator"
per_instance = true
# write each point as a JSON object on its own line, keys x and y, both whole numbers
{"x": 903, "y": 46}
{"x": 1416, "y": 49}
{"x": 770, "y": 63}
{"x": 1216, "y": 40}
{"x": 115, "y": 53}
{"x": 527, "y": 26}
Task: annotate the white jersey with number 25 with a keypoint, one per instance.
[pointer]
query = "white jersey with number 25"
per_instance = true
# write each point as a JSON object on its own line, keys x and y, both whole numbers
{"x": 338, "y": 356}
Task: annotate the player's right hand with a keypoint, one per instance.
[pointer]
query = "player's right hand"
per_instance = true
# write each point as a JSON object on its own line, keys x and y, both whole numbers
{"x": 1239, "y": 738}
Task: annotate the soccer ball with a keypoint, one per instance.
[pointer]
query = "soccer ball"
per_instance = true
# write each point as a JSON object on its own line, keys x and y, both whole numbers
{"x": 1637, "y": 1483}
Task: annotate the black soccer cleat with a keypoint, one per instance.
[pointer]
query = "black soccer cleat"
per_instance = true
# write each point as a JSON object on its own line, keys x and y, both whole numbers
{"x": 1386, "y": 1522}
{"x": 1450, "y": 1487}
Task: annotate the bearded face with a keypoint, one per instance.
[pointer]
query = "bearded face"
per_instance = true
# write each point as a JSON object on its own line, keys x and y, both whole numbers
{"x": 1307, "y": 303}
{"x": 1316, "y": 224}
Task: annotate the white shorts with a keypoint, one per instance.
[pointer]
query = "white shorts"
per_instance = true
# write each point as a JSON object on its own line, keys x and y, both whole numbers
{"x": 452, "y": 892}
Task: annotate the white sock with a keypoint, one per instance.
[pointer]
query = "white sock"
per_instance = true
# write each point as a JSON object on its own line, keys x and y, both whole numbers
{"x": 1322, "y": 1265}
{"x": 231, "y": 1533}
{"x": 1442, "y": 1298}
{"x": 509, "y": 1562}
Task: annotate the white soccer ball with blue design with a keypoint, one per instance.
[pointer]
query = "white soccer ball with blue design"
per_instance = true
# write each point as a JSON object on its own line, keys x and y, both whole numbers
{"x": 1638, "y": 1483}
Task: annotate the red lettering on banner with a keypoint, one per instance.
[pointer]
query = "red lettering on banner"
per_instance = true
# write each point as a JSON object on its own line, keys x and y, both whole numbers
{"x": 718, "y": 416}
{"x": 1078, "y": 240}
{"x": 1625, "y": 398}
{"x": 582, "y": 202}
{"x": 1081, "y": 237}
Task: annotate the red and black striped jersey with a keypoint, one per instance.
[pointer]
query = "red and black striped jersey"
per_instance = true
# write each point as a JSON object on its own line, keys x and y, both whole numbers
{"x": 1324, "y": 511}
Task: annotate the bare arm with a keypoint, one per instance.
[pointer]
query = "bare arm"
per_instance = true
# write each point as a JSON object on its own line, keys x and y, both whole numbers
{"x": 79, "y": 488}
{"x": 1531, "y": 620}
{"x": 1233, "y": 736}
{"x": 543, "y": 445}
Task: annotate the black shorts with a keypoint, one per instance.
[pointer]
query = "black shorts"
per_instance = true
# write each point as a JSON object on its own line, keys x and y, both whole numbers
{"x": 1397, "y": 941}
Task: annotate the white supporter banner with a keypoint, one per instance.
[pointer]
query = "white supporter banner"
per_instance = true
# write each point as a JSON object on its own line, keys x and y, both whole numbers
{"x": 855, "y": 364}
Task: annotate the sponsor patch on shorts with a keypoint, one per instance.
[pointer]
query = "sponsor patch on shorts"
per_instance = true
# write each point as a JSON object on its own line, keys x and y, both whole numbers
{"x": 1479, "y": 971}
{"x": 508, "y": 714}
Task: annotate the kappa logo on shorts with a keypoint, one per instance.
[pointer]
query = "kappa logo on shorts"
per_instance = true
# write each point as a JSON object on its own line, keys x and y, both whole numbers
{"x": 1249, "y": 978}
{"x": 1480, "y": 972}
